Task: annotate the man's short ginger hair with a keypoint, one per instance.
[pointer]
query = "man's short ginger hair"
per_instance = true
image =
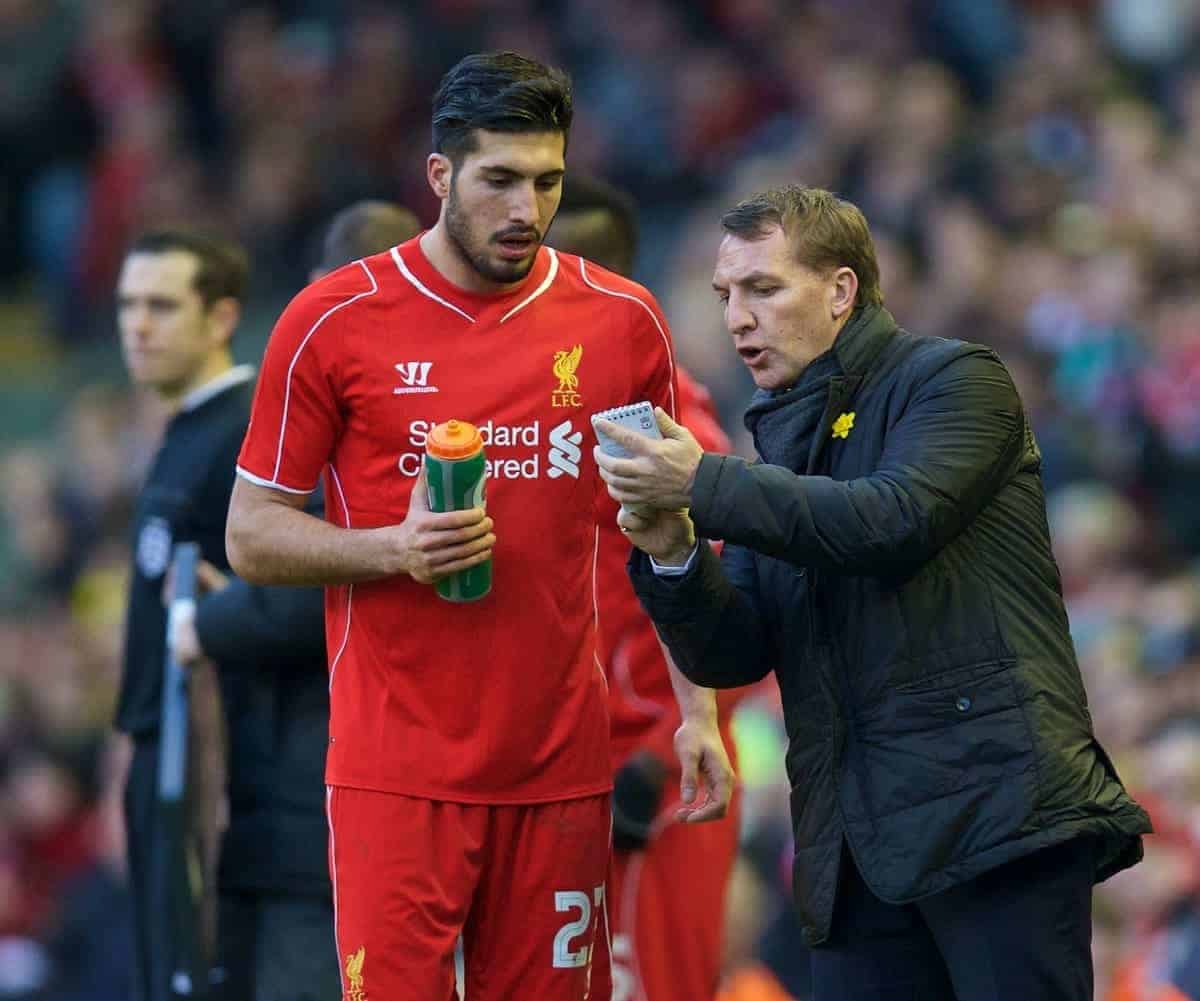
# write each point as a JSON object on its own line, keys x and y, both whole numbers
{"x": 825, "y": 232}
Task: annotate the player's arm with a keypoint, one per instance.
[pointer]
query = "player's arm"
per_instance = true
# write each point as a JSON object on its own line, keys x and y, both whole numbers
{"x": 707, "y": 783}
{"x": 697, "y": 740}
{"x": 270, "y": 539}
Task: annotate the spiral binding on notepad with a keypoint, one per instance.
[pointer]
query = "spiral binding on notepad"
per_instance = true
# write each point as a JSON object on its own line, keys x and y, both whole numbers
{"x": 619, "y": 413}
{"x": 635, "y": 416}
{"x": 638, "y": 416}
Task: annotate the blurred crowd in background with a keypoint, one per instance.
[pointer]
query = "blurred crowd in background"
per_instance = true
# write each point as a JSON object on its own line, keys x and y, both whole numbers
{"x": 1031, "y": 171}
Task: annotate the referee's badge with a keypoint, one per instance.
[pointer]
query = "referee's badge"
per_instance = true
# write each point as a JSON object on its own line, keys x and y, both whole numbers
{"x": 154, "y": 547}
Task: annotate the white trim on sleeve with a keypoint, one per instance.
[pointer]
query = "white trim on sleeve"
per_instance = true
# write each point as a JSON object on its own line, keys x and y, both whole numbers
{"x": 287, "y": 393}
{"x": 245, "y": 474}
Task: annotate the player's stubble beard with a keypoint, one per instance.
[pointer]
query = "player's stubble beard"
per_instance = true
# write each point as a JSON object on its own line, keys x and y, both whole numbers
{"x": 458, "y": 229}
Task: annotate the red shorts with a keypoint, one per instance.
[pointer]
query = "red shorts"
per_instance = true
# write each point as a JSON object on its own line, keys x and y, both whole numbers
{"x": 525, "y": 886}
{"x": 667, "y": 904}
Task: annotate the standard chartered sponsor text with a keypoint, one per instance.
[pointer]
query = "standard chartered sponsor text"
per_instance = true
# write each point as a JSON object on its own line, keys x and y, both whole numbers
{"x": 494, "y": 435}
{"x": 497, "y": 469}
{"x": 497, "y": 438}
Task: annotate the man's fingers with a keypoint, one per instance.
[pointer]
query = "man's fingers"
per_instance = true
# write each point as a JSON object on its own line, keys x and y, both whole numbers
{"x": 632, "y": 520}
{"x": 463, "y": 564}
{"x": 441, "y": 557}
{"x": 634, "y": 441}
{"x": 625, "y": 482}
{"x": 689, "y": 812}
{"x": 209, "y": 577}
{"x": 629, "y": 498}
{"x": 712, "y": 806}
{"x": 721, "y": 790}
{"x": 688, "y": 781}
{"x": 459, "y": 521}
{"x": 622, "y": 435}
{"x": 713, "y": 809}
{"x": 667, "y": 427}
{"x": 616, "y": 466}
{"x": 717, "y": 779}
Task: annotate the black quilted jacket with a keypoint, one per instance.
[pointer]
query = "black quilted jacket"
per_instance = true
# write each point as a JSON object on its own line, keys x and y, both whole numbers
{"x": 889, "y": 559}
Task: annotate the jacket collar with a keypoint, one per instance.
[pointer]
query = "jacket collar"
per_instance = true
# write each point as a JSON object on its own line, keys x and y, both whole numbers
{"x": 214, "y": 387}
{"x": 865, "y": 335}
{"x": 858, "y": 344}
{"x": 792, "y": 425}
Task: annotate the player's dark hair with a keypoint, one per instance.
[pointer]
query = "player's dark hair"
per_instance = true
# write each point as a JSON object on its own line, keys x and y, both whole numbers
{"x": 826, "y": 232}
{"x": 363, "y": 229}
{"x": 613, "y": 244}
{"x": 498, "y": 92}
{"x": 222, "y": 266}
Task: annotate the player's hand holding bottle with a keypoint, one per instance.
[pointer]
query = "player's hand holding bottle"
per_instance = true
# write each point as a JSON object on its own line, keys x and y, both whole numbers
{"x": 433, "y": 545}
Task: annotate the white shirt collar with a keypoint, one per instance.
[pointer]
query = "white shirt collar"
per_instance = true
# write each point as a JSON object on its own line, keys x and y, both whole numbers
{"x": 226, "y": 380}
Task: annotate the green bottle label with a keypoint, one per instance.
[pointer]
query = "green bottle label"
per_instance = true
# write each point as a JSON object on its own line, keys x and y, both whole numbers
{"x": 454, "y": 485}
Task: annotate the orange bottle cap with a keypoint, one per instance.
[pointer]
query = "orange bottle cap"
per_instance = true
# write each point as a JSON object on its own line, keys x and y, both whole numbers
{"x": 454, "y": 440}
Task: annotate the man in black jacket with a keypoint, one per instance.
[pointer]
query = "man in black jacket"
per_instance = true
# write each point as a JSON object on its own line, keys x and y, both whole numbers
{"x": 889, "y": 559}
{"x": 275, "y": 920}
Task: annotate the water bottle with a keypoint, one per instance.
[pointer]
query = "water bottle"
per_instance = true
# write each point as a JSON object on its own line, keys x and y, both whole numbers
{"x": 456, "y": 473}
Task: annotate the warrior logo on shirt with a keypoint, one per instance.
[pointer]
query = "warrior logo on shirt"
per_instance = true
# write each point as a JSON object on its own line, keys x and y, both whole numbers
{"x": 415, "y": 376}
{"x": 354, "y": 975}
{"x": 565, "y": 364}
{"x": 154, "y": 547}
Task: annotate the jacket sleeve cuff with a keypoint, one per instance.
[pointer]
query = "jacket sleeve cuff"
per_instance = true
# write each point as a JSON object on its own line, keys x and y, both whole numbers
{"x": 667, "y": 599}
{"x": 667, "y": 570}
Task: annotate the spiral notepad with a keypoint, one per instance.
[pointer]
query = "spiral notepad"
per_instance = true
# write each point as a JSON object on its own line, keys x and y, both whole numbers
{"x": 636, "y": 416}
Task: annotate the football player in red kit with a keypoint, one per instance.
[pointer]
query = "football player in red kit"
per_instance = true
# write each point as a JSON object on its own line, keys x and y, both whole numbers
{"x": 667, "y": 894}
{"x": 468, "y": 776}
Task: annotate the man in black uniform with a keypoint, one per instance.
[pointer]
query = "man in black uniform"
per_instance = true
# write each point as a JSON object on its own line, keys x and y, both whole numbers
{"x": 178, "y": 302}
{"x": 178, "y": 305}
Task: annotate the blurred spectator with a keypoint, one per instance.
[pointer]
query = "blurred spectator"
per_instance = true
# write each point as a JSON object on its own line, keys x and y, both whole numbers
{"x": 1162, "y": 910}
{"x": 47, "y": 132}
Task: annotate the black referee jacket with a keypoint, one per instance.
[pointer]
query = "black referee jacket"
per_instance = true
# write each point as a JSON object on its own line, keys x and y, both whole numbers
{"x": 268, "y": 644}
{"x": 184, "y": 499}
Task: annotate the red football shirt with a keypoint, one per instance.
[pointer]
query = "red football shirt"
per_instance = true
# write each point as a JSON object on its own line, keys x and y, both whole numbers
{"x": 641, "y": 701}
{"x": 500, "y": 700}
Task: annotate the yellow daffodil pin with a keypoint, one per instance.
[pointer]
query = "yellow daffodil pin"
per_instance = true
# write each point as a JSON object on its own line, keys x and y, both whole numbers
{"x": 842, "y": 426}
